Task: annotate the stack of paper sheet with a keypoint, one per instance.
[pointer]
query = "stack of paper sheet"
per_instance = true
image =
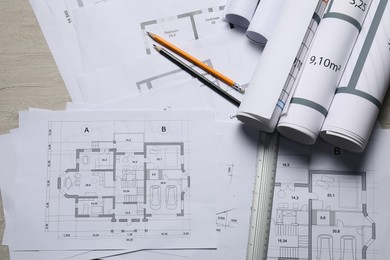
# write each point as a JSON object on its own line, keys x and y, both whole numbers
{"x": 124, "y": 181}
{"x": 146, "y": 162}
{"x": 86, "y": 36}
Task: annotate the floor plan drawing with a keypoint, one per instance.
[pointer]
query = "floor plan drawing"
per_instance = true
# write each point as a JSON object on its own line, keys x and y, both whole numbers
{"x": 129, "y": 185}
{"x": 127, "y": 180}
{"x": 164, "y": 78}
{"x": 230, "y": 172}
{"x": 320, "y": 213}
{"x": 72, "y": 4}
{"x": 169, "y": 76}
{"x": 226, "y": 219}
{"x": 190, "y": 26}
{"x": 69, "y": 5}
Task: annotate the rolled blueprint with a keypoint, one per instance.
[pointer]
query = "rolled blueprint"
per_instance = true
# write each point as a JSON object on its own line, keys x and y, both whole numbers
{"x": 240, "y": 12}
{"x": 326, "y": 62}
{"x": 264, "y": 20}
{"x": 363, "y": 86}
{"x": 279, "y": 65}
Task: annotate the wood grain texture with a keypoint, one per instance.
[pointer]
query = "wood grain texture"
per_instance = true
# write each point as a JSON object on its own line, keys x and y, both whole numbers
{"x": 28, "y": 74}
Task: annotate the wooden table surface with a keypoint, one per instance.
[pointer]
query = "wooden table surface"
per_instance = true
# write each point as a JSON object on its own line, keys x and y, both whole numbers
{"x": 29, "y": 76}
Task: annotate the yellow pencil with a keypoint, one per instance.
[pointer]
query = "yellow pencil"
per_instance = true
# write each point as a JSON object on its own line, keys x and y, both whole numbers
{"x": 196, "y": 62}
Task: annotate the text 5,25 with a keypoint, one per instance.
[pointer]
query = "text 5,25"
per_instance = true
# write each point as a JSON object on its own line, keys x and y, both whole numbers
{"x": 362, "y": 5}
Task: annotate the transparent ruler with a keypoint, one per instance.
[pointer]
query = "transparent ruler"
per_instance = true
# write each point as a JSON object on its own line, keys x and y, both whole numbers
{"x": 301, "y": 55}
{"x": 262, "y": 196}
{"x": 267, "y": 154}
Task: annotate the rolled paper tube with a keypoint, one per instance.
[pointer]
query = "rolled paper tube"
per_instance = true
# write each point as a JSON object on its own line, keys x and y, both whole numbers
{"x": 327, "y": 58}
{"x": 363, "y": 86}
{"x": 262, "y": 103}
{"x": 240, "y": 12}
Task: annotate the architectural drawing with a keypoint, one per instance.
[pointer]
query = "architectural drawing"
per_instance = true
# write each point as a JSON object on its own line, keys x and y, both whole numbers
{"x": 226, "y": 219}
{"x": 129, "y": 184}
{"x": 320, "y": 214}
{"x": 178, "y": 75}
{"x": 188, "y": 25}
{"x": 170, "y": 76}
{"x": 230, "y": 172}
{"x": 71, "y": 4}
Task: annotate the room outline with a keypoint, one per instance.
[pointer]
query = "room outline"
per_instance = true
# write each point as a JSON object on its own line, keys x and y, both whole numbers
{"x": 128, "y": 185}
{"x": 189, "y": 22}
{"x": 324, "y": 217}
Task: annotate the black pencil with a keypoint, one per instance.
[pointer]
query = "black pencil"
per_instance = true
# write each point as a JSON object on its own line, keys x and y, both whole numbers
{"x": 197, "y": 75}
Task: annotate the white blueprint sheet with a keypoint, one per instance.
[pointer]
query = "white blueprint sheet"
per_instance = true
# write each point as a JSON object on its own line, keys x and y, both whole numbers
{"x": 130, "y": 78}
{"x": 331, "y": 204}
{"x": 64, "y": 49}
{"x": 141, "y": 74}
{"x": 235, "y": 190}
{"x": 8, "y": 168}
{"x": 183, "y": 95}
{"x": 57, "y": 23}
{"x": 125, "y": 209}
{"x": 8, "y": 152}
{"x": 118, "y": 81}
{"x": 236, "y": 168}
{"x": 237, "y": 152}
{"x": 115, "y": 32}
{"x": 236, "y": 173}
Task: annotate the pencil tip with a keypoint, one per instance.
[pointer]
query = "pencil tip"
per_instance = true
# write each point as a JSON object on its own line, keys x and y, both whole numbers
{"x": 158, "y": 48}
{"x": 150, "y": 34}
